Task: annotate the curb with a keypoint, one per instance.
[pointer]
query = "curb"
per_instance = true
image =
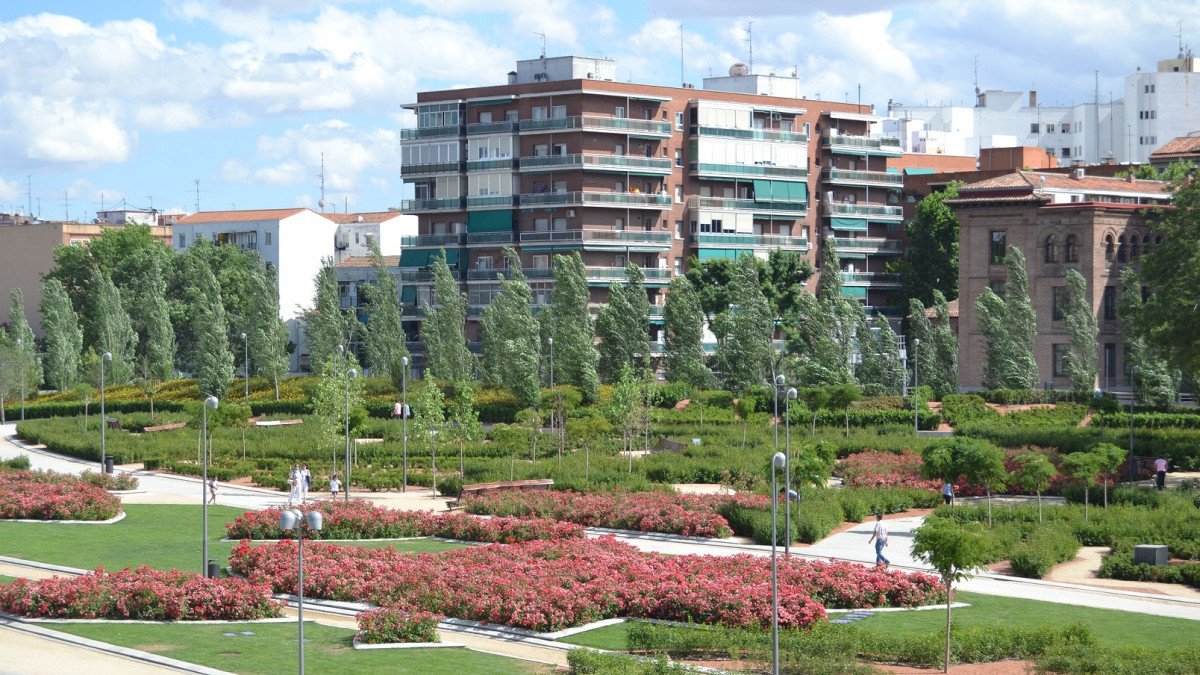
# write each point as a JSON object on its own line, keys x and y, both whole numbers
{"x": 115, "y": 519}
{"x": 43, "y": 566}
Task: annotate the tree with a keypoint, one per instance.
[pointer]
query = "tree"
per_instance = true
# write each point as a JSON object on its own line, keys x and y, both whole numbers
{"x": 744, "y": 407}
{"x": 446, "y": 353}
{"x": 940, "y": 460}
{"x": 326, "y": 326}
{"x": 683, "y": 324}
{"x": 622, "y": 409}
{"x": 150, "y": 316}
{"x": 922, "y": 355}
{"x": 944, "y": 341}
{"x": 429, "y": 419}
{"x": 983, "y": 466}
{"x": 463, "y": 419}
{"x": 815, "y": 353}
{"x": 571, "y": 327}
{"x": 842, "y": 396}
{"x": 829, "y": 283}
{"x": 953, "y": 550}
{"x": 1080, "y": 322}
{"x": 268, "y": 334}
{"x": 510, "y": 336}
{"x": 24, "y": 343}
{"x": 107, "y": 328}
{"x": 744, "y": 330}
{"x": 814, "y": 398}
{"x": 213, "y": 360}
{"x": 531, "y": 420}
{"x": 10, "y": 371}
{"x": 1083, "y": 467}
{"x": 1173, "y": 172}
{"x": 63, "y": 339}
{"x": 329, "y": 404}
{"x": 383, "y": 337}
{"x": 74, "y": 265}
{"x": 1110, "y": 458}
{"x": 1150, "y": 373}
{"x": 933, "y": 248}
{"x": 623, "y": 326}
{"x": 1033, "y": 474}
{"x": 781, "y": 278}
{"x": 1009, "y": 327}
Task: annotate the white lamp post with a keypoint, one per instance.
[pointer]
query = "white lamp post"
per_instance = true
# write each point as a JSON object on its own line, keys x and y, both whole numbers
{"x": 550, "y": 341}
{"x": 916, "y": 394}
{"x": 352, "y": 373}
{"x": 779, "y": 461}
{"x": 779, "y": 382}
{"x": 404, "y": 423}
{"x": 787, "y": 472}
{"x": 292, "y": 519}
{"x": 1132, "y": 391}
{"x": 246, "y": 364}
{"x": 210, "y": 402}
{"x": 106, "y": 356}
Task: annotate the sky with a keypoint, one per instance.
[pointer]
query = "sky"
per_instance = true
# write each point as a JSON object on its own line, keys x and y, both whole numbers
{"x": 230, "y": 104}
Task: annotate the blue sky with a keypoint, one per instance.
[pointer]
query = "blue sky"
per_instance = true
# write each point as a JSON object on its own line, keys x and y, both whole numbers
{"x": 136, "y": 100}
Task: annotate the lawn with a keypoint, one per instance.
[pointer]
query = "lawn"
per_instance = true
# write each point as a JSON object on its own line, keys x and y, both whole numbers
{"x": 164, "y": 536}
{"x": 272, "y": 649}
{"x": 1111, "y": 627}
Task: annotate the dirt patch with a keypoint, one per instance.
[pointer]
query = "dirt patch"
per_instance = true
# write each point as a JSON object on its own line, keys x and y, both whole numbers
{"x": 997, "y": 668}
{"x": 157, "y": 648}
{"x": 1005, "y": 409}
{"x": 1082, "y": 570}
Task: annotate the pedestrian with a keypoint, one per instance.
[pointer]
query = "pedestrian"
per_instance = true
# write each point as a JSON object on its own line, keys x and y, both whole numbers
{"x": 335, "y": 486}
{"x": 1160, "y": 473}
{"x": 293, "y": 491}
{"x": 305, "y": 483}
{"x": 948, "y": 493}
{"x": 880, "y": 537}
{"x": 212, "y": 490}
{"x": 397, "y": 411}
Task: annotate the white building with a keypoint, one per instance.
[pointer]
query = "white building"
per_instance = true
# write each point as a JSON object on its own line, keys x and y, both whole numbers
{"x": 127, "y": 215}
{"x": 388, "y": 228}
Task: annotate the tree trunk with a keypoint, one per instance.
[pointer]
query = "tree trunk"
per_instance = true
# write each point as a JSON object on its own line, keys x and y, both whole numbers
{"x": 512, "y": 460}
{"x": 433, "y": 466}
{"x": 243, "y": 444}
{"x": 461, "y": 443}
{"x": 814, "y": 424}
{"x": 152, "y": 411}
{"x": 946, "y": 666}
{"x": 989, "y": 498}
{"x": 1039, "y": 495}
{"x": 85, "y": 414}
{"x": 276, "y": 387}
{"x": 1106, "y": 492}
{"x": 4, "y": 420}
{"x": 1085, "y": 503}
{"x": 587, "y": 458}
{"x": 847, "y": 420}
{"x": 629, "y": 451}
{"x": 745, "y": 426}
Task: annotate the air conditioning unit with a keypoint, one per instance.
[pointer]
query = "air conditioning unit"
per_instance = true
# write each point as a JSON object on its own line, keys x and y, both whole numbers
{"x": 570, "y": 213}
{"x": 776, "y": 116}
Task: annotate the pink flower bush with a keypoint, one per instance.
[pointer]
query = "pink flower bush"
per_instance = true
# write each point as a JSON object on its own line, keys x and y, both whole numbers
{"x": 872, "y": 468}
{"x": 363, "y": 520}
{"x": 667, "y": 512}
{"x": 46, "y": 495}
{"x": 140, "y": 594}
{"x": 549, "y": 585}
{"x": 394, "y": 624}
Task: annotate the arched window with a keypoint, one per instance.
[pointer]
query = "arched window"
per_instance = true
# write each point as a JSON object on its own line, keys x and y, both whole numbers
{"x": 1109, "y": 249}
{"x": 1122, "y": 253}
{"x": 1146, "y": 245}
{"x": 1072, "y": 246}
{"x": 1134, "y": 248}
{"x": 1051, "y": 247}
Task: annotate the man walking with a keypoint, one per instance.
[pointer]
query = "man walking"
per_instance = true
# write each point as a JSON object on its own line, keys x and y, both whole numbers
{"x": 1160, "y": 473}
{"x": 880, "y": 537}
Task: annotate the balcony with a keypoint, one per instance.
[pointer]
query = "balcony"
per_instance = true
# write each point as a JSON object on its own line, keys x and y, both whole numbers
{"x": 710, "y": 169}
{"x": 430, "y": 169}
{"x": 873, "y": 211}
{"x": 866, "y": 178}
{"x": 601, "y": 239}
{"x": 429, "y": 132}
{"x": 489, "y": 238}
{"x": 439, "y": 240}
{"x": 494, "y": 273}
{"x": 873, "y": 279}
{"x": 506, "y": 127}
{"x": 869, "y": 245}
{"x": 620, "y": 125}
{"x": 658, "y": 166}
{"x": 606, "y": 275}
{"x": 731, "y": 240}
{"x": 428, "y": 205}
{"x": 861, "y": 145}
{"x": 490, "y": 202}
{"x": 496, "y": 164}
{"x": 424, "y": 274}
{"x": 754, "y": 134}
{"x": 634, "y": 200}
{"x": 346, "y": 301}
{"x": 886, "y": 312}
{"x": 797, "y": 208}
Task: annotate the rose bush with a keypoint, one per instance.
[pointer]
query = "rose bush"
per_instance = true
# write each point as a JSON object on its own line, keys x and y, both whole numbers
{"x": 141, "y": 594}
{"x": 363, "y": 520}
{"x": 46, "y": 495}
{"x": 110, "y": 481}
{"x": 395, "y": 624}
{"x": 549, "y": 585}
{"x": 872, "y": 468}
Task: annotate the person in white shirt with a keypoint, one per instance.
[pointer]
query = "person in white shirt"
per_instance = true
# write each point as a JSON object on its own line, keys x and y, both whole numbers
{"x": 305, "y": 483}
{"x": 335, "y": 486}
{"x": 880, "y": 537}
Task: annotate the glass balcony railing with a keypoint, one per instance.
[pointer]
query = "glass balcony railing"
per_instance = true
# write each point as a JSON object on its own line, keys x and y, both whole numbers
{"x": 450, "y": 204}
{"x": 618, "y": 274}
{"x": 490, "y": 164}
{"x": 430, "y": 132}
{"x": 494, "y": 273}
{"x": 623, "y": 199}
{"x": 433, "y": 240}
{"x": 873, "y": 210}
{"x": 750, "y": 205}
{"x": 599, "y": 123}
{"x": 489, "y": 238}
{"x": 492, "y": 127}
{"x": 625, "y": 237}
{"x": 597, "y": 162}
{"x": 754, "y": 134}
{"x": 752, "y": 170}
{"x": 749, "y": 240}
{"x": 880, "y": 145}
{"x": 868, "y": 245}
{"x": 481, "y": 201}
{"x": 430, "y": 168}
{"x": 881, "y": 178}
{"x": 424, "y": 274}
{"x": 879, "y": 279}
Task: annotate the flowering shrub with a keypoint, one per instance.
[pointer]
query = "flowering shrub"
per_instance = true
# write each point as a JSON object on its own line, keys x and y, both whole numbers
{"x": 548, "y": 585}
{"x": 110, "y": 481}
{"x": 394, "y": 624}
{"x": 142, "y": 594}
{"x": 46, "y": 495}
{"x": 362, "y": 520}
{"x": 671, "y": 513}
{"x": 888, "y": 469}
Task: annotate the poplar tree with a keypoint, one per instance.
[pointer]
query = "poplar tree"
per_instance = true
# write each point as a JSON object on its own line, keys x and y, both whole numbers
{"x": 623, "y": 326}
{"x": 1009, "y": 328}
{"x": 744, "y": 330}
{"x": 63, "y": 339}
{"x": 1155, "y": 381}
{"x": 879, "y": 371}
{"x": 23, "y": 342}
{"x": 383, "y": 336}
{"x": 107, "y": 328}
{"x": 268, "y": 334}
{"x": 326, "y": 326}
{"x": 683, "y": 325}
{"x": 1083, "y": 328}
{"x": 213, "y": 359}
{"x": 945, "y": 345}
{"x": 571, "y": 327}
{"x": 815, "y": 354}
{"x": 446, "y": 353}
{"x": 150, "y": 315}
{"x": 510, "y": 336}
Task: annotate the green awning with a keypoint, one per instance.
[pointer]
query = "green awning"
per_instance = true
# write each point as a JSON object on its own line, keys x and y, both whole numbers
{"x": 762, "y": 190}
{"x": 408, "y": 295}
{"x": 854, "y": 291}
{"x": 780, "y": 191}
{"x": 491, "y": 101}
{"x": 451, "y": 256}
{"x": 718, "y": 254}
{"x": 849, "y": 224}
{"x": 918, "y": 171}
{"x": 798, "y": 192}
{"x": 892, "y": 169}
{"x": 490, "y": 221}
{"x": 415, "y": 258}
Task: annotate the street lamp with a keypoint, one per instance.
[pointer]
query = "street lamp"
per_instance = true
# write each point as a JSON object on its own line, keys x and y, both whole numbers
{"x": 21, "y": 353}
{"x": 550, "y": 341}
{"x": 246, "y": 363}
{"x": 404, "y": 422}
{"x": 106, "y": 356}
{"x": 916, "y": 383}
{"x": 292, "y": 519}
{"x": 1132, "y": 388}
{"x": 210, "y": 402}
{"x": 787, "y": 452}
{"x": 779, "y": 382}
{"x": 352, "y": 373}
{"x": 779, "y": 461}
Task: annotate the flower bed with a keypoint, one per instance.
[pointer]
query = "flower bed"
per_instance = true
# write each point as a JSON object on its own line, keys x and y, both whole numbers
{"x": 362, "y": 520}
{"x": 394, "y": 624}
{"x": 550, "y": 585}
{"x": 110, "y": 481}
{"x": 46, "y": 495}
{"x": 667, "y": 512}
{"x": 889, "y": 469}
{"x": 140, "y": 594}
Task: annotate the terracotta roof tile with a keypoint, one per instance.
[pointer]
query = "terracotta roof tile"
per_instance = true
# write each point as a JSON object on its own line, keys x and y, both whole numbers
{"x": 372, "y": 217}
{"x": 1060, "y": 181}
{"x": 951, "y": 309}
{"x": 365, "y": 261}
{"x": 237, "y": 216}
{"x": 1183, "y": 145}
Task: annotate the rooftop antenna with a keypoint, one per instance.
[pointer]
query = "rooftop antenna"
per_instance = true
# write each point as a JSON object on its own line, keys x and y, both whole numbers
{"x": 66, "y": 205}
{"x": 197, "y": 195}
{"x": 682, "y": 80}
{"x": 321, "y": 204}
{"x": 977, "y": 75}
{"x": 29, "y": 191}
{"x": 750, "y": 41}
{"x": 1179, "y": 35}
{"x": 543, "y": 36}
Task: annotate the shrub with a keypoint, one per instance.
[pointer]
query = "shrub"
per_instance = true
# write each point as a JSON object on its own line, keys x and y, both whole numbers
{"x": 110, "y": 481}
{"x": 591, "y": 662}
{"x": 1043, "y": 549}
{"x": 20, "y": 463}
{"x": 959, "y": 408}
{"x": 46, "y": 495}
{"x": 394, "y": 624}
{"x": 668, "y": 395}
{"x": 716, "y": 398}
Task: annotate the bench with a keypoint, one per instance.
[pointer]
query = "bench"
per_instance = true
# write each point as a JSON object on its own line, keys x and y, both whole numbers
{"x": 113, "y": 423}
{"x": 482, "y": 488}
{"x": 277, "y": 423}
{"x": 665, "y": 444}
{"x": 165, "y": 427}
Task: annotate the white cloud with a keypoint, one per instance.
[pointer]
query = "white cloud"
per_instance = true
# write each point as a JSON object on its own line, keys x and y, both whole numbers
{"x": 10, "y": 190}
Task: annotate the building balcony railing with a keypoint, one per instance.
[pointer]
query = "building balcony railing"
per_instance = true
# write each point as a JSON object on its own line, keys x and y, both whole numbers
{"x": 846, "y": 177}
{"x": 749, "y": 240}
{"x": 798, "y": 208}
{"x": 492, "y": 127}
{"x": 430, "y": 132}
{"x": 614, "y": 237}
{"x": 610, "y": 274}
{"x": 886, "y": 312}
{"x": 424, "y": 274}
{"x": 873, "y": 279}
{"x": 346, "y": 301}
{"x": 703, "y": 169}
{"x": 623, "y": 125}
{"x": 491, "y": 164}
{"x": 868, "y": 245}
{"x": 431, "y": 168}
{"x": 754, "y": 134}
{"x": 448, "y": 204}
{"x": 494, "y": 273}
{"x": 433, "y": 240}
{"x": 489, "y": 238}
{"x": 618, "y": 199}
{"x": 861, "y": 144}
{"x": 620, "y": 163}
{"x": 877, "y": 211}
{"x": 491, "y": 201}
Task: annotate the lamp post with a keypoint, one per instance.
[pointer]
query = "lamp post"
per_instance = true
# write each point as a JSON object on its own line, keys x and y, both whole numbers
{"x": 916, "y": 383}
{"x": 246, "y": 364}
{"x": 550, "y": 341}
{"x": 787, "y": 472}
{"x": 106, "y": 356}
{"x": 779, "y": 382}
{"x": 21, "y": 354}
{"x": 404, "y": 422}
{"x": 1132, "y": 388}
{"x": 352, "y": 373}
{"x": 779, "y": 461}
{"x": 292, "y": 519}
{"x": 210, "y": 402}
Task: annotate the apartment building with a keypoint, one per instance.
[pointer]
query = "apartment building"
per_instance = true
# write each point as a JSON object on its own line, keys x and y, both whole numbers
{"x": 1096, "y": 225}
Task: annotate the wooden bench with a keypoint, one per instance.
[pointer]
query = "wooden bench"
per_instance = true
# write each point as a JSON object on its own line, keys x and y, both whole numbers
{"x": 482, "y": 488}
{"x": 165, "y": 427}
{"x": 113, "y": 423}
{"x": 665, "y": 444}
{"x": 277, "y": 423}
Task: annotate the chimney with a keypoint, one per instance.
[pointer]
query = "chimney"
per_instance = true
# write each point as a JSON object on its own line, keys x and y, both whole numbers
{"x": 1077, "y": 173}
{"x": 1033, "y": 98}
{"x": 512, "y": 77}
{"x": 1129, "y": 177}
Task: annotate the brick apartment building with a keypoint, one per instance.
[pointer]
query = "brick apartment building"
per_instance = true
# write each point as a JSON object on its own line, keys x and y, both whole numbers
{"x": 1096, "y": 225}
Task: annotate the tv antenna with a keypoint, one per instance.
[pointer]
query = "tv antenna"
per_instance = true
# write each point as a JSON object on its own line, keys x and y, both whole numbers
{"x": 321, "y": 204}
{"x": 543, "y": 36}
{"x": 749, "y": 29}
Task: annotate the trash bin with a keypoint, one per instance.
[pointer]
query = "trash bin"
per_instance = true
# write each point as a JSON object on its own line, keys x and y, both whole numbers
{"x": 108, "y": 465}
{"x": 214, "y": 570}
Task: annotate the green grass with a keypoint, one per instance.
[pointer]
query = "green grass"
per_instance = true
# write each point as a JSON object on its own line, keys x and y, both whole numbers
{"x": 1112, "y": 628}
{"x": 164, "y": 536}
{"x": 6, "y": 579}
{"x": 272, "y": 649}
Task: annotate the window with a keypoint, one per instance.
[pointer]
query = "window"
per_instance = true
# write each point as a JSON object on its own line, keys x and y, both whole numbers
{"x": 678, "y": 157}
{"x": 1058, "y": 299}
{"x": 619, "y": 111}
{"x": 539, "y": 112}
{"x": 619, "y": 223}
{"x": 356, "y": 238}
{"x": 1109, "y": 248}
{"x": 1033, "y": 128}
{"x": 1066, "y": 152}
{"x": 997, "y": 287}
{"x": 511, "y": 115}
{"x": 183, "y": 240}
{"x": 678, "y": 194}
{"x": 679, "y": 229}
{"x": 1134, "y": 248}
{"x": 541, "y": 262}
{"x": 541, "y": 224}
{"x": 268, "y": 237}
{"x": 560, "y": 187}
{"x": 1122, "y": 252}
{"x": 999, "y": 247}
{"x": 558, "y": 112}
{"x": 1072, "y": 248}
{"x": 678, "y": 266}
{"x": 560, "y": 224}
{"x": 485, "y": 117}
{"x": 1110, "y": 362}
{"x": 560, "y": 149}
{"x": 1050, "y": 128}
{"x": 1060, "y": 359}
{"x": 541, "y": 150}
{"x": 678, "y": 121}
{"x": 1050, "y": 248}
{"x": 1108, "y": 303}
{"x": 1146, "y": 244}
{"x": 484, "y": 262}
{"x": 618, "y": 261}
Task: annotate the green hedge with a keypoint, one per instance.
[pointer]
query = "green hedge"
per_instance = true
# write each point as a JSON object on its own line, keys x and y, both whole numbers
{"x": 1043, "y": 549}
{"x": 1147, "y": 420}
{"x": 75, "y": 408}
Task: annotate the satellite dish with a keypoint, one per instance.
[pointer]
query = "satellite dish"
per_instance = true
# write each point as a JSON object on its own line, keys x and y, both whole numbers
{"x": 738, "y": 70}
{"x": 321, "y": 204}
